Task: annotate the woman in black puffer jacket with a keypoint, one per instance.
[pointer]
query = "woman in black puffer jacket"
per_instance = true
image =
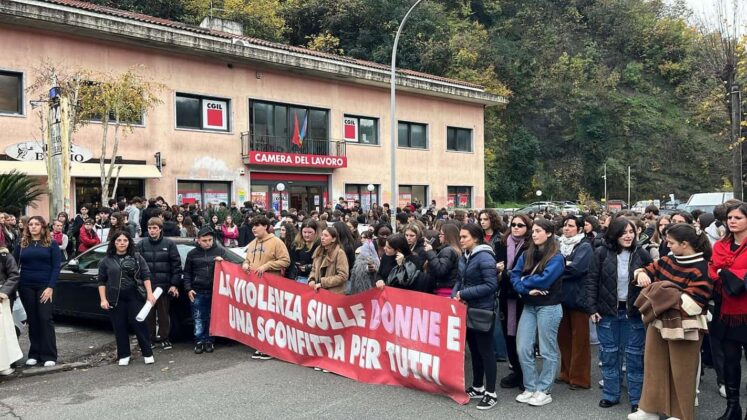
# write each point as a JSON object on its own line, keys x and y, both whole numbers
{"x": 476, "y": 287}
{"x": 611, "y": 295}
{"x": 443, "y": 268}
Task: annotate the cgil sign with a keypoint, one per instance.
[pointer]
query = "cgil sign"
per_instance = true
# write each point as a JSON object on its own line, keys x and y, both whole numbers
{"x": 34, "y": 150}
{"x": 291, "y": 159}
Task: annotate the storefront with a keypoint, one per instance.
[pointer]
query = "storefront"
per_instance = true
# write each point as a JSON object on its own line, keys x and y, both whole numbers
{"x": 300, "y": 191}
{"x": 203, "y": 192}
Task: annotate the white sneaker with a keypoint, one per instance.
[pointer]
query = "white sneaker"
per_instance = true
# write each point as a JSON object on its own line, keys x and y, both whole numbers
{"x": 7, "y": 372}
{"x": 149, "y": 360}
{"x": 642, "y": 415}
{"x": 601, "y": 383}
{"x": 524, "y": 397}
{"x": 722, "y": 391}
{"x": 124, "y": 361}
{"x": 49, "y": 363}
{"x": 673, "y": 418}
{"x": 539, "y": 399}
{"x": 31, "y": 362}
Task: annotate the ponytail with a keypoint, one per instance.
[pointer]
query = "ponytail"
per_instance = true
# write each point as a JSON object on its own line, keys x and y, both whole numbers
{"x": 683, "y": 232}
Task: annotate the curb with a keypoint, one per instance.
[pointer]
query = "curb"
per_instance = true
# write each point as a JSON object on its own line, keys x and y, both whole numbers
{"x": 36, "y": 371}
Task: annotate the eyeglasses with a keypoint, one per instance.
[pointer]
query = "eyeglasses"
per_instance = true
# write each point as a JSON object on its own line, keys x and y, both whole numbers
{"x": 518, "y": 225}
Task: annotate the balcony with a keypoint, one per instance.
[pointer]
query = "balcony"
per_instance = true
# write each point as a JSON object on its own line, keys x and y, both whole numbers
{"x": 280, "y": 151}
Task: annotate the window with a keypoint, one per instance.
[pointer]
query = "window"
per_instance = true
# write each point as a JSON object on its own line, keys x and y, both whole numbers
{"x": 412, "y": 135}
{"x": 281, "y": 121}
{"x": 459, "y": 197}
{"x": 412, "y": 194}
{"x": 188, "y": 192}
{"x": 11, "y": 93}
{"x": 88, "y": 190}
{"x": 361, "y": 130}
{"x": 360, "y": 192}
{"x": 127, "y": 117}
{"x": 458, "y": 139}
{"x": 202, "y": 113}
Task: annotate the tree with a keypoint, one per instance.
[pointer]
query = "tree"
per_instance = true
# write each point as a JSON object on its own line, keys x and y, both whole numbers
{"x": 119, "y": 101}
{"x": 19, "y": 190}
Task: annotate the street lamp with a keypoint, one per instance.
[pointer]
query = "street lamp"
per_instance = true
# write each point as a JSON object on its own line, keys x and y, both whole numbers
{"x": 539, "y": 193}
{"x": 392, "y": 112}
{"x": 280, "y": 187}
{"x": 370, "y": 189}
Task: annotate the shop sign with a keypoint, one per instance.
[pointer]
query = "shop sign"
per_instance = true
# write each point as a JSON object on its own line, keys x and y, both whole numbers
{"x": 350, "y": 129}
{"x": 34, "y": 150}
{"x": 290, "y": 159}
{"x": 214, "y": 114}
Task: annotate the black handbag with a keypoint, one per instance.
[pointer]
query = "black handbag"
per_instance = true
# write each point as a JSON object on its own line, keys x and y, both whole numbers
{"x": 480, "y": 319}
{"x": 404, "y": 276}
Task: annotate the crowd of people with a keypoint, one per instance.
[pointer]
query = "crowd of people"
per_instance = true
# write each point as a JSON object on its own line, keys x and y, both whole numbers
{"x": 663, "y": 294}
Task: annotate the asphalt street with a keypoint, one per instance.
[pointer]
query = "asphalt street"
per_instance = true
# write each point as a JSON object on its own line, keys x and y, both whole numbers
{"x": 229, "y": 384}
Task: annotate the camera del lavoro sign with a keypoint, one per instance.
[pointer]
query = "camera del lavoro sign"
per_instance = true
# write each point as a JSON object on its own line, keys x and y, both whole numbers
{"x": 291, "y": 159}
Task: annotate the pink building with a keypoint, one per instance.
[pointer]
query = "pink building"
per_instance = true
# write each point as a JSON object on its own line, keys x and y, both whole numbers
{"x": 240, "y": 115}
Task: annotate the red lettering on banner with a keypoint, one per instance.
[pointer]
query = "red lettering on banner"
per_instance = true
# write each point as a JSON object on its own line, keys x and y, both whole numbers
{"x": 290, "y": 159}
{"x": 389, "y": 336}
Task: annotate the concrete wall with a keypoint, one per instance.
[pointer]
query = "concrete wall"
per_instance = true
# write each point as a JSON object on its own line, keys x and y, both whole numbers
{"x": 201, "y": 155}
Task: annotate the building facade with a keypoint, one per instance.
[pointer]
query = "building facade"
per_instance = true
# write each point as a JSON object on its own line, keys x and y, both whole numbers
{"x": 240, "y": 116}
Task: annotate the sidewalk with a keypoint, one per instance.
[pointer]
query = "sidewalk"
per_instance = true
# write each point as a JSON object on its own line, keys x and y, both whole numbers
{"x": 79, "y": 344}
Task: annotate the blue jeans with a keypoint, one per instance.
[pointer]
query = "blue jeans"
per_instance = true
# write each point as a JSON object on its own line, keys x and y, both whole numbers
{"x": 201, "y": 316}
{"x": 542, "y": 321}
{"x": 615, "y": 334}
{"x": 499, "y": 341}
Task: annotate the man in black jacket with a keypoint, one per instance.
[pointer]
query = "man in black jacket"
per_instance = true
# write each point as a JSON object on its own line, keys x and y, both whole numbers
{"x": 199, "y": 269}
{"x": 149, "y": 212}
{"x": 165, "y": 266}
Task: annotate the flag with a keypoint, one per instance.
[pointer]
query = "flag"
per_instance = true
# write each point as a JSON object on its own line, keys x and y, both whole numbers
{"x": 303, "y": 128}
{"x": 296, "y": 139}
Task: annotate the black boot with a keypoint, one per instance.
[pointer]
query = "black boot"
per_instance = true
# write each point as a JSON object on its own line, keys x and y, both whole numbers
{"x": 733, "y": 409}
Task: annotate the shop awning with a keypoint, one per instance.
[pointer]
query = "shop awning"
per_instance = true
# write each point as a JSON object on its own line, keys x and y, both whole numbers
{"x": 81, "y": 170}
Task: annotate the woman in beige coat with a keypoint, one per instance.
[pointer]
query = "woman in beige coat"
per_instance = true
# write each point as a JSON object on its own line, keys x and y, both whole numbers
{"x": 330, "y": 269}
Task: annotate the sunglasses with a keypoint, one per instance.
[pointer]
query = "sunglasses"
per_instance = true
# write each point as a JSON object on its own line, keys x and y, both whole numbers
{"x": 518, "y": 225}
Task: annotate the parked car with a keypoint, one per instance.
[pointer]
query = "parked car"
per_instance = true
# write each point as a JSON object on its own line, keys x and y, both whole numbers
{"x": 77, "y": 294}
{"x": 539, "y": 206}
{"x": 707, "y": 201}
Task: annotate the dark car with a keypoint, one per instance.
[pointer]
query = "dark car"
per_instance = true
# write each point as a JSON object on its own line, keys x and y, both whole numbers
{"x": 77, "y": 293}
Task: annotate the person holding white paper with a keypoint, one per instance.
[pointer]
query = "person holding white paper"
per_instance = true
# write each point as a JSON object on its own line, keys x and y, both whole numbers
{"x": 124, "y": 285}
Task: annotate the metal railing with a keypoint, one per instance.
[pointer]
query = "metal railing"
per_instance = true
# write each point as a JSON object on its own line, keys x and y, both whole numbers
{"x": 252, "y": 142}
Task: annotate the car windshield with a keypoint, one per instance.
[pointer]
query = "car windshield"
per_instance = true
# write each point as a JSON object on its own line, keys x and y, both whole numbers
{"x": 91, "y": 260}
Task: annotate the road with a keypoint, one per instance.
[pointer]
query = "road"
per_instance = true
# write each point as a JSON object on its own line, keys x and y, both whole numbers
{"x": 229, "y": 384}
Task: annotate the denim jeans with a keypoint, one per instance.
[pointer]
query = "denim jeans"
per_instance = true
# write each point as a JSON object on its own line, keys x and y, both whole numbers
{"x": 542, "y": 321}
{"x": 499, "y": 341}
{"x": 617, "y": 333}
{"x": 201, "y": 316}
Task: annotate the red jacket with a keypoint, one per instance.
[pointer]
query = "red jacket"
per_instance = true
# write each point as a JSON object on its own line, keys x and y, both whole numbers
{"x": 87, "y": 240}
{"x": 733, "y": 308}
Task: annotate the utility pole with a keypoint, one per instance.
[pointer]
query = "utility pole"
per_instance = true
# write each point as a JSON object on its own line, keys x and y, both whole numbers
{"x": 55, "y": 151}
{"x": 628, "y": 186}
{"x": 606, "y": 206}
{"x": 735, "y": 98}
{"x": 393, "y": 118}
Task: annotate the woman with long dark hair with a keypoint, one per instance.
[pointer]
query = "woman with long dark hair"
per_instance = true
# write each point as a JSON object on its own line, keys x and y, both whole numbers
{"x": 672, "y": 358}
{"x": 611, "y": 299}
{"x": 476, "y": 288}
{"x": 658, "y": 236}
{"x": 330, "y": 269}
{"x": 346, "y": 241}
{"x": 39, "y": 259}
{"x": 728, "y": 268}
{"x": 535, "y": 277}
{"x": 512, "y": 245}
{"x": 288, "y": 233}
{"x": 124, "y": 286}
{"x": 443, "y": 267}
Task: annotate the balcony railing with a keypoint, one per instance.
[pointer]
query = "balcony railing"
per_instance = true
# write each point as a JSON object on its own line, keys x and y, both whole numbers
{"x": 252, "y": 142}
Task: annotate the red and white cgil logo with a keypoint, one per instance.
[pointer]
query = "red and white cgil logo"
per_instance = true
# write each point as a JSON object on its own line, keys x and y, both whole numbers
{"x": 214, "y": 115}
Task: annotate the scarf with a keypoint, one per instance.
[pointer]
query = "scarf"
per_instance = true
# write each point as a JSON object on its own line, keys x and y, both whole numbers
{"x": 733, "y": 308}
{"x": 567, "y": 244}
{"x": 514, "y": 245}
{"x": 57, "y": 236}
